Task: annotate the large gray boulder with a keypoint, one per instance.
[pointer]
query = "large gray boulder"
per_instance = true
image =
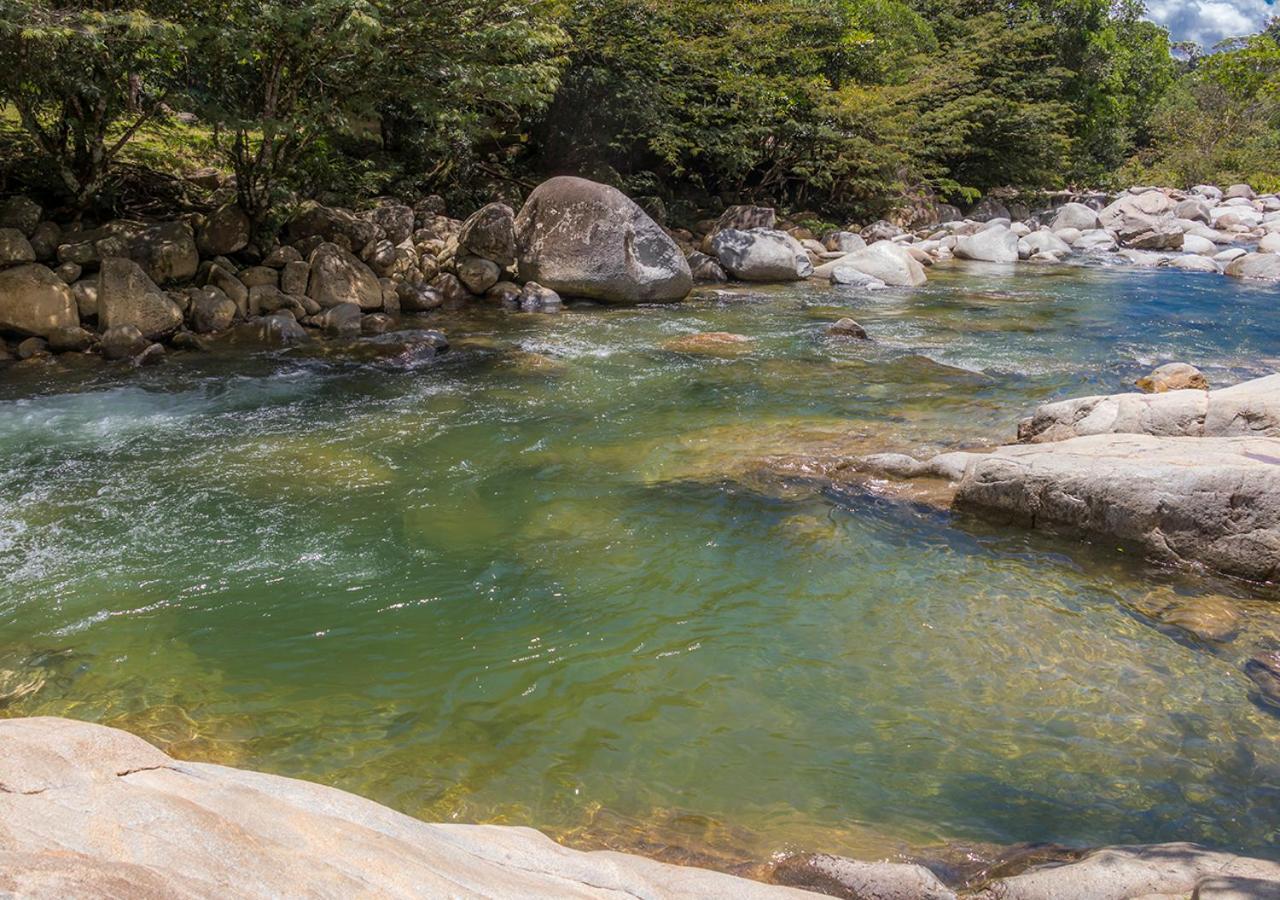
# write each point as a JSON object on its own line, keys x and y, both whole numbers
{"x": 583, "y": 239}
{"x": 490, "y": 233}
{"x": 127, "y": 296}
{"x": 884, "y": 260}
{"x": 35, "y": 301}
{"x": 338, "y": 276}
{"x": 90, "y": 811}
{"x": 761, "y": 254}
{"x": 996, "y": 244}
{"x": 167, "y": 251}
{"x": 1251, "y": 408}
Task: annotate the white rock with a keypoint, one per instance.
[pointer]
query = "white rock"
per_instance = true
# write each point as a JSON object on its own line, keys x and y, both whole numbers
{"x": 1193, "y": 243}
{"x": 884, "y": 260}
{"x": 993, "y": 244}
{"x": 1193, "y": 263}
{"x": 1077, "y": 216}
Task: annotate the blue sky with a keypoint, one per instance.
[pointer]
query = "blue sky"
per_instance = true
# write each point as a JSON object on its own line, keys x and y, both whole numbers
{"x": 1208, "y": 21}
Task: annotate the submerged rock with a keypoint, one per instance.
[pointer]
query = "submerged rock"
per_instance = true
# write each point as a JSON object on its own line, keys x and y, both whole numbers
{"x": 715, "y": 343}
{"x": 847, "y": 328}
{"x": 840, "y": 877}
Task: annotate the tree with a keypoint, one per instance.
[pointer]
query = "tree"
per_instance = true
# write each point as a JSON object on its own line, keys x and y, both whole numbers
{"x": 84, "y": 80}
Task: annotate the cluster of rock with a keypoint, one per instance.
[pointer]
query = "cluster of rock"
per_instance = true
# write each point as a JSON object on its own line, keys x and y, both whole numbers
{"x": 125, "y": 289}
{"x": 93, "y": 811}
{"x": 1205, "y": 229}
{"x": 1189, "y": 475}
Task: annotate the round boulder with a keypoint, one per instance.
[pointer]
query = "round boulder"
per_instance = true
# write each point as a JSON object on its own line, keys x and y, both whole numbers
{"x": 490, "y": 233}
{"x": 761, "y": 254}
{"x": 584, "y": 239}
{"x": 35, "y": 301}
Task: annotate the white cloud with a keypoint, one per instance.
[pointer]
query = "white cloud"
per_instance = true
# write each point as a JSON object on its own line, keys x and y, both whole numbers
{"x": 1208, "y": 21}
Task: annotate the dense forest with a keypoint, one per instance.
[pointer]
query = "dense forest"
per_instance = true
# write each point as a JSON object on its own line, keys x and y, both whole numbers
{"x": 849, "y": 107}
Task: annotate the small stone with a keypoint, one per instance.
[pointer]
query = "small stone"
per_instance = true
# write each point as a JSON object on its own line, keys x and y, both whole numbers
{"x": 847, "y": 328}
{"x": 151, "y": 356}
{"x": 536, "y": 298}
{"x": 33, "y": 347}
{"x": 1173, "y": 377}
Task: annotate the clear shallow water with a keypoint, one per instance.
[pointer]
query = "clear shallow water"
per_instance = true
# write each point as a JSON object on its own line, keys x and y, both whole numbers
{"x": 547, "y": 579}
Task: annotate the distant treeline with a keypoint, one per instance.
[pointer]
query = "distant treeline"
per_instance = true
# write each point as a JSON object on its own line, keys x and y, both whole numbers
{"x": 843, "y": 106}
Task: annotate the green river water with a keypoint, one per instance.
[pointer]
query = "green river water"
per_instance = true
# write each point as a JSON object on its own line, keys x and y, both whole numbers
{"x": 547, "y": 580}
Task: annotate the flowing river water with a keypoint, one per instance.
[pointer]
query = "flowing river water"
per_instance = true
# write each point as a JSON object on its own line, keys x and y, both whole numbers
{"x": 547, "y": 580}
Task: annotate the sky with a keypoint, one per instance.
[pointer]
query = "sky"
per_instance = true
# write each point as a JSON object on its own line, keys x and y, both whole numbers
{"x": 1208, "y": 21}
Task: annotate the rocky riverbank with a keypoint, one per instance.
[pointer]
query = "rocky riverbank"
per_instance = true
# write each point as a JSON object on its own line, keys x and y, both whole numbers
{"x": 133, "y": 290}
{"x": 92, "y": 811}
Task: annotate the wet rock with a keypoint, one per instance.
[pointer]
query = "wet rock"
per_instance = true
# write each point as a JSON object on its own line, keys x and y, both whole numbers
{"x": 712, "y": 343}
{"x": 477, "y": 274}
{"x": 583, "y": 239}
{"x": 122, "y": 342}
{"x": 761, "y": 254}
{"x": 1173, "y": 377}
{"x": 490, "y": 233}
{"x": 536, "y": 298}
{"x": 33, "y": 347}
{"x": 71, "y": 340}
{"x": 847, "y": 328}
{"x": 848, "y": 276}
{"x": 152, "y": 355}
{"x": 343, "y": 320}
{"x": 837, "y": 876}
{"x": 505, "y": 293}
{"x": 421, "y": 297}
{"x": 276, "y": 330}
{"x": 1264, "y": 671}
{"x": 34, "y": 301}
{"x": 706, "y": 270}
{"x": 337, "y": 276}
{"x": 1210, "y": 617}
{"x": 376, "y": 323}
{"x": 225, "y": 231}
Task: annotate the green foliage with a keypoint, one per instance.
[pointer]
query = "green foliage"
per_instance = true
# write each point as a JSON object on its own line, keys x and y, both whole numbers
{"x": 83, "y": 80}
{"x": 1221, "y": 122}
{"x": 846, "y": 106}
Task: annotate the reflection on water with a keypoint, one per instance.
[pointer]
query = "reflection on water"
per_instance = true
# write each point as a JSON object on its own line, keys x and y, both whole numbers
{"x": 566, "y": 577}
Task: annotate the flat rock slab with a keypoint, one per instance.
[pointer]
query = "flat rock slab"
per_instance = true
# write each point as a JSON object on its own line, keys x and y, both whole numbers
{"x": 92, "y": 811}
{"x": 1214, "y": 501}
{"x": 1251, "y": 408}
{"x": 1160, "y": 870}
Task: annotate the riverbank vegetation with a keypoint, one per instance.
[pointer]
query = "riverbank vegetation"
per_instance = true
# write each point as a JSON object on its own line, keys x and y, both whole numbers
{"x": 851, "y": 108}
